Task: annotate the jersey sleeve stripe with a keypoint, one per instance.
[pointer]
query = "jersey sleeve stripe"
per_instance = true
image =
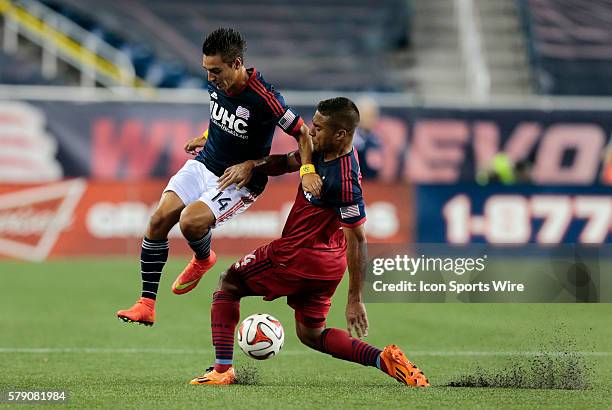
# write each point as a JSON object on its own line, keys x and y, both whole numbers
{"x": 296, "y": 128}
{"x": 268, "y": 96}
{"x": 262, "y": 94}
{"x": 356, "y": 156}
{"x": 256, "y": 86}
{"x": 347, "y": 192}
{"x": 346, "y": 178}
{"x": 349, "y": 178}
{"x": 354, "y": 224}
{"x": 359, "y": 177}
{"x": 343, "y": 178}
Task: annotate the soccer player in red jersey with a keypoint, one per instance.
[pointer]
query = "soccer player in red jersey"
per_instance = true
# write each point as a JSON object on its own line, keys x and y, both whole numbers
{"x": 320, "y": 238}
{"x": 244, "y": 112}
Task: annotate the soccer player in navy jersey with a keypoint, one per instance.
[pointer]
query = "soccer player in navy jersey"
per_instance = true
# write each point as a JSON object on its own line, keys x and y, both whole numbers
{"x": 320, "y": 238}
{"x": 244, "y": 112}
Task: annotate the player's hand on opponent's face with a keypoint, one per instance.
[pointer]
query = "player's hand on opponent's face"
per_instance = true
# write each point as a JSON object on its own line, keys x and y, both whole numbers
{"x": 239, "y": 174}
{"x": 357, "y": 319}
{"x": 312, "y": 183}
{"x": 191, "y": 146}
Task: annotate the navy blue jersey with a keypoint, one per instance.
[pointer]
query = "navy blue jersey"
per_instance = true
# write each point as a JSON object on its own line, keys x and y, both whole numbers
{"x": 341, "y": 187}
{"x": 242, "y": 125}
{"x": 312, "y": 244}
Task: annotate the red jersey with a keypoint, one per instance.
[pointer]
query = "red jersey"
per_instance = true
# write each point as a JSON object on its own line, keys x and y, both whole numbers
{"x": 312, "y": 244}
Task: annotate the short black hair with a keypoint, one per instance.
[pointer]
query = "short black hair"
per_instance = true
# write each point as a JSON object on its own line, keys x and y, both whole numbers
{"x": 227, "y": 42}
{"x": 343, "y": 113}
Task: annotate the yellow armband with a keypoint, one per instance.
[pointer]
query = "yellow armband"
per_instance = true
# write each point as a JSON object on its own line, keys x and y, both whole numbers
{"x": 307, "y": 169}
{"x": 205, "y": 135}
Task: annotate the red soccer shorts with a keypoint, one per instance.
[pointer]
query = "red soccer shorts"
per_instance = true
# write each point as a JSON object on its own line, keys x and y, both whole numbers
{"x": 309, "y": 298}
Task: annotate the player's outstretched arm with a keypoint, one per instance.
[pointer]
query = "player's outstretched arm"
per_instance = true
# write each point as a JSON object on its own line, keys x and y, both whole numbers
{"x": 356, "y": 316}
{"x": 271, "y": 165}
{"x": 311, "y": 181}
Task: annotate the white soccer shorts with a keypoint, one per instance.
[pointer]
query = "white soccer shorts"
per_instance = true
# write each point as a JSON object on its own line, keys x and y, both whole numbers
{"x": 194, "y": 182}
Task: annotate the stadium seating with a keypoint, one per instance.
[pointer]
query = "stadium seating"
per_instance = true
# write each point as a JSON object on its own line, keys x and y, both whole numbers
{"x": 19, "y": 70}
{"x": 313, "y": 44}
{"x": 569, "y": 45}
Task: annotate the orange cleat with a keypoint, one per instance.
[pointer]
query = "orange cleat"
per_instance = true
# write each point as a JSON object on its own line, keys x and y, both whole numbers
{"x": 192, "y": 274}
{"x": 213, "y": 377}
{"x": 142, "y": 312}
{"x": 402, "y": 369}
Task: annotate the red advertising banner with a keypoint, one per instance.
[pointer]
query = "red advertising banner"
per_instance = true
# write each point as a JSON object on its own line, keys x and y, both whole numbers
{"x": 43, "y": 141}
{"x": 80, "y": 217}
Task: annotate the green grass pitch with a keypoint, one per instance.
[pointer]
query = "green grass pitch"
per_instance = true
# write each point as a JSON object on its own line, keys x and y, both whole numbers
{"x": 58, "y": 330}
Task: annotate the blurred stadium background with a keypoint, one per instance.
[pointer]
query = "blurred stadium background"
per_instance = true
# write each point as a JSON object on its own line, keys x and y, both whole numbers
{"x": 484, "y": 121}
{"x": 462, "y": 97}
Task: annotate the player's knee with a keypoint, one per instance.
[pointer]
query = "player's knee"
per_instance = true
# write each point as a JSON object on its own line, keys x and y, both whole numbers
{"x": 229, "y": 282}
{"x": 189, "y": 223}
{"x": 224, "y": 282}
{"x": 160, "y": 224}
{"x": 194, "y": 224}
{"x": 311, "y": 337}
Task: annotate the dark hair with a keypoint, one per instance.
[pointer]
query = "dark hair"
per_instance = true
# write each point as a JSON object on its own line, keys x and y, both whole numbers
{"x": 342, "y": 113}
{"x": 227, "y": 42}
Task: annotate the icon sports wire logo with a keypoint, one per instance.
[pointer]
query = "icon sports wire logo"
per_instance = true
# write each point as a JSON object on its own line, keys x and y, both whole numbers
{"x": 32, "y": 219}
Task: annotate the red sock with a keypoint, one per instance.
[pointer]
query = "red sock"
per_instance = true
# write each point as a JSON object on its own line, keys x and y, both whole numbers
{"x": 224, "y": 316}
{"x": 340, "y": 345}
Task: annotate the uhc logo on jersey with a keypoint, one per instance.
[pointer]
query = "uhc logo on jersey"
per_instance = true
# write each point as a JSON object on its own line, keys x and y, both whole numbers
{"x": 230, "y": 123}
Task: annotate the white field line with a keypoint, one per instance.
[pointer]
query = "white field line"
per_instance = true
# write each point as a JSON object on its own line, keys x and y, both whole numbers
{"x": 137, "y": 350}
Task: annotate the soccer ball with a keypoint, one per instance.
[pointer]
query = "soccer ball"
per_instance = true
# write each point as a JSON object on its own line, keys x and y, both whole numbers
{"x": 260, "y": 336}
